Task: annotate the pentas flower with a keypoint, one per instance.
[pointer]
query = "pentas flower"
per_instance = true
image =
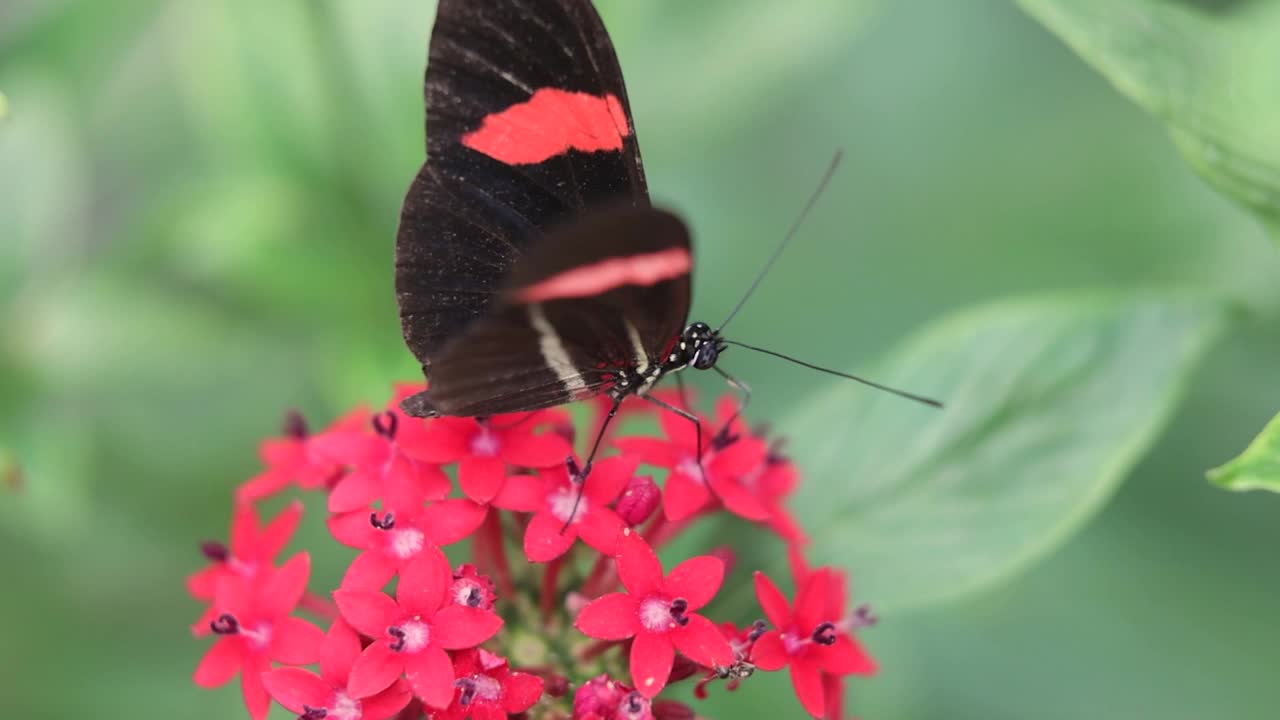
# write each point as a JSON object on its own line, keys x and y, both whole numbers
{"x": 487, "y": 689}
{"x": 252, "y": 550}
{"x": 658, "y": 613}
{"x": 603, "y": 698}
{"x": 564, "y": 510}
{"x": 253, "y": 623}
{"x": 726, "y": 459}
{"x": 295, "y": 458}
{"x": 810, "y": 638}
{"x": 392, "y": 538}
{"x": 412, "y": 632}
{"x": 532, "y": 625}
{"x": 484, "y": 449}
{"x": 380, "y": 467}
{"x": 326, "y": 695}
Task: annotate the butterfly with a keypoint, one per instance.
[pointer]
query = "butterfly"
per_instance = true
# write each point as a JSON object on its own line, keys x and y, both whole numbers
{"x": 531, "y": 269}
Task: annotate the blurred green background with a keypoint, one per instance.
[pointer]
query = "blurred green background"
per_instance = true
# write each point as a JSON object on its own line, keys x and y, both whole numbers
{"x": 197, "y": 206}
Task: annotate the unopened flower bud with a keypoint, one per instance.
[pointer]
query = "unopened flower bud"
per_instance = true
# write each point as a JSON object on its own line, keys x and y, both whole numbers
{"x": 639, "y": 500}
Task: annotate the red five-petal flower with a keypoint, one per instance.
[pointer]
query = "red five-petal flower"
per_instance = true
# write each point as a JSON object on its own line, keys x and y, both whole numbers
{"x": 253, "y": 621}
{"x": 658, "y": 613}
{"x": 484, "y": 449}
{"x": 551, "y": 496}
{"x": 252, "y": 550}
{"x": 811, "y": 638}
{"x": 301, "y": 691}
{"x": 488, "y": 689}
{"x": 392, "y": 538}
{"x": 412, "y": 632}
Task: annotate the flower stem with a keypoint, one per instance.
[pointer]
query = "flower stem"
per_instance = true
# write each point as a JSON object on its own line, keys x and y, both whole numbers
{"x": 494, "y": 544}
{"x": 550, "y": 581}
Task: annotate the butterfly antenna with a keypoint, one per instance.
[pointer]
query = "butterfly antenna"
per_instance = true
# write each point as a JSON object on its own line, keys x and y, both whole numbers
{"x": 786, "y": 239}
{"x": 900, "y": 393}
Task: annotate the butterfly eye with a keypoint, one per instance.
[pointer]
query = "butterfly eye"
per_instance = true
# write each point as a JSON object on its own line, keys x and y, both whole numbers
{"x": 705, "y": 356}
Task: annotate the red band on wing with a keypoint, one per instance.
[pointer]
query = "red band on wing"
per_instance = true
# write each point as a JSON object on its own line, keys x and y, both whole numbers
{"x": 603, "y": 276}
{"x": 551, "y": 122}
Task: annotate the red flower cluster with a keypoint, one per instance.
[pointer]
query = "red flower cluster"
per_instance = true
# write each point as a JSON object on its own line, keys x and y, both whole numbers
{"x": 559, "y": 630}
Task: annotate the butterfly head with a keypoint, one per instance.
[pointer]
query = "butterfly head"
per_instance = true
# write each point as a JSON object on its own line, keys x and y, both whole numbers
{"x": 699, "y": 346}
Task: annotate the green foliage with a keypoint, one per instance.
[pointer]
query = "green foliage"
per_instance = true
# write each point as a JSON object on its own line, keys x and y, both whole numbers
{"x": 1049, "y": 405}
{"x": 1258, "y": 467}
{"x": 1205, "y": 67}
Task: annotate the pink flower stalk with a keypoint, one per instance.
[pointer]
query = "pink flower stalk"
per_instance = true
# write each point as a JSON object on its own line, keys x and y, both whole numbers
{"x": 534, "y": 625}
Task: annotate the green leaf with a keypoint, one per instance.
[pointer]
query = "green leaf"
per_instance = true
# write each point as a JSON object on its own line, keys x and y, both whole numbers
{"x": 1205, "y": 67}
{"x": 1258, "y": 467}
{"x": 1050, "y": 402}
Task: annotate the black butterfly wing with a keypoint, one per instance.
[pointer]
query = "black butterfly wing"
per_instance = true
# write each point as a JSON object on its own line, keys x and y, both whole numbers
{"x": 608, "y": 293}
{"x": 528, "y": 125}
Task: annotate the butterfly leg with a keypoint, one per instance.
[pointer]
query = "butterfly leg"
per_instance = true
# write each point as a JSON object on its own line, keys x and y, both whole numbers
{"x": 579, "y": 475}
{"x": 684, "y": 395}
{"x": 697, "y": 426}
{"x": 742, "y": 388}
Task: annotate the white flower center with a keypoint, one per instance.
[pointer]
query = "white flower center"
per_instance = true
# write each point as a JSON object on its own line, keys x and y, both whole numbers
{"x": 561, "y": 503}
{"x": 417, "y": 635}
{"x": 258, "y": 635}
{"x": 406, "y": 543}
{"x": 485, "y": 444}
{"x": 689, "y": 466}
{"x": 487, "y": 688}
{"x": 343, "y": 707}
{"x": 655, "y": 615}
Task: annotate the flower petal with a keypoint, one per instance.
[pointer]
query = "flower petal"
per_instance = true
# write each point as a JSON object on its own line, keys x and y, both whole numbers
{"x": 683, "y": 497}
{"x": 456, "y": 626}
{"x": 356, "y": 447}
{"x": 522, "y": 493}
{"x": 697, "y": 580}
{"x": 375, "y": 670}
{"x": 282, "y": 591}
{"x": 520, "y": 691}
{"x": 481, "y": 477}
{"x": 736, "y": 499}
{"x": 525, "y": 449}
{"x": 263, "y": 485}
{"x": 845, "y": 657}
{"x": 543, "y": 539}
{"x": 203, "y": 583}
{"x": 368, "y": 611}
{"x": 256, "y": 699}
{"x": 609, "y": 477}
{"x": 423, "y": 582}
{"x": 294, "y": 687}
{"x": 355, "y": 491}
{"x": 615, "y": 616}
{"x": 833, "y": 688}
{"x": 652, "y": 451}
{"x": 741, "y": 457}
{"x": 811, "y": 601}
{"x": 443, "y": 440}
{"x": 807, "y": 682}
{"x": 354, "y": 529}
{"x": 638, "y": 566}
{"x": 448, "y": 521}
{"x": 769, "y": 653}
{"x": 371, "y": 570}
{"x": 651, "y": 659}
{"x": 430, "y": 675}
{"x": 220, "y": 663}
{"x": 295, "y": 641}
{"x": 339, "y": 653}
{"x": 277, "y": 532}
{"x": 408, "y": 483}
{"x": 601, "y": 528}
{"x": 680, "y": 431}
{"x": 702, "y": 642}
{"x": 772, "y": 601}
{"x": 244, "y": 531}
{"x": 386, "y": 703}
